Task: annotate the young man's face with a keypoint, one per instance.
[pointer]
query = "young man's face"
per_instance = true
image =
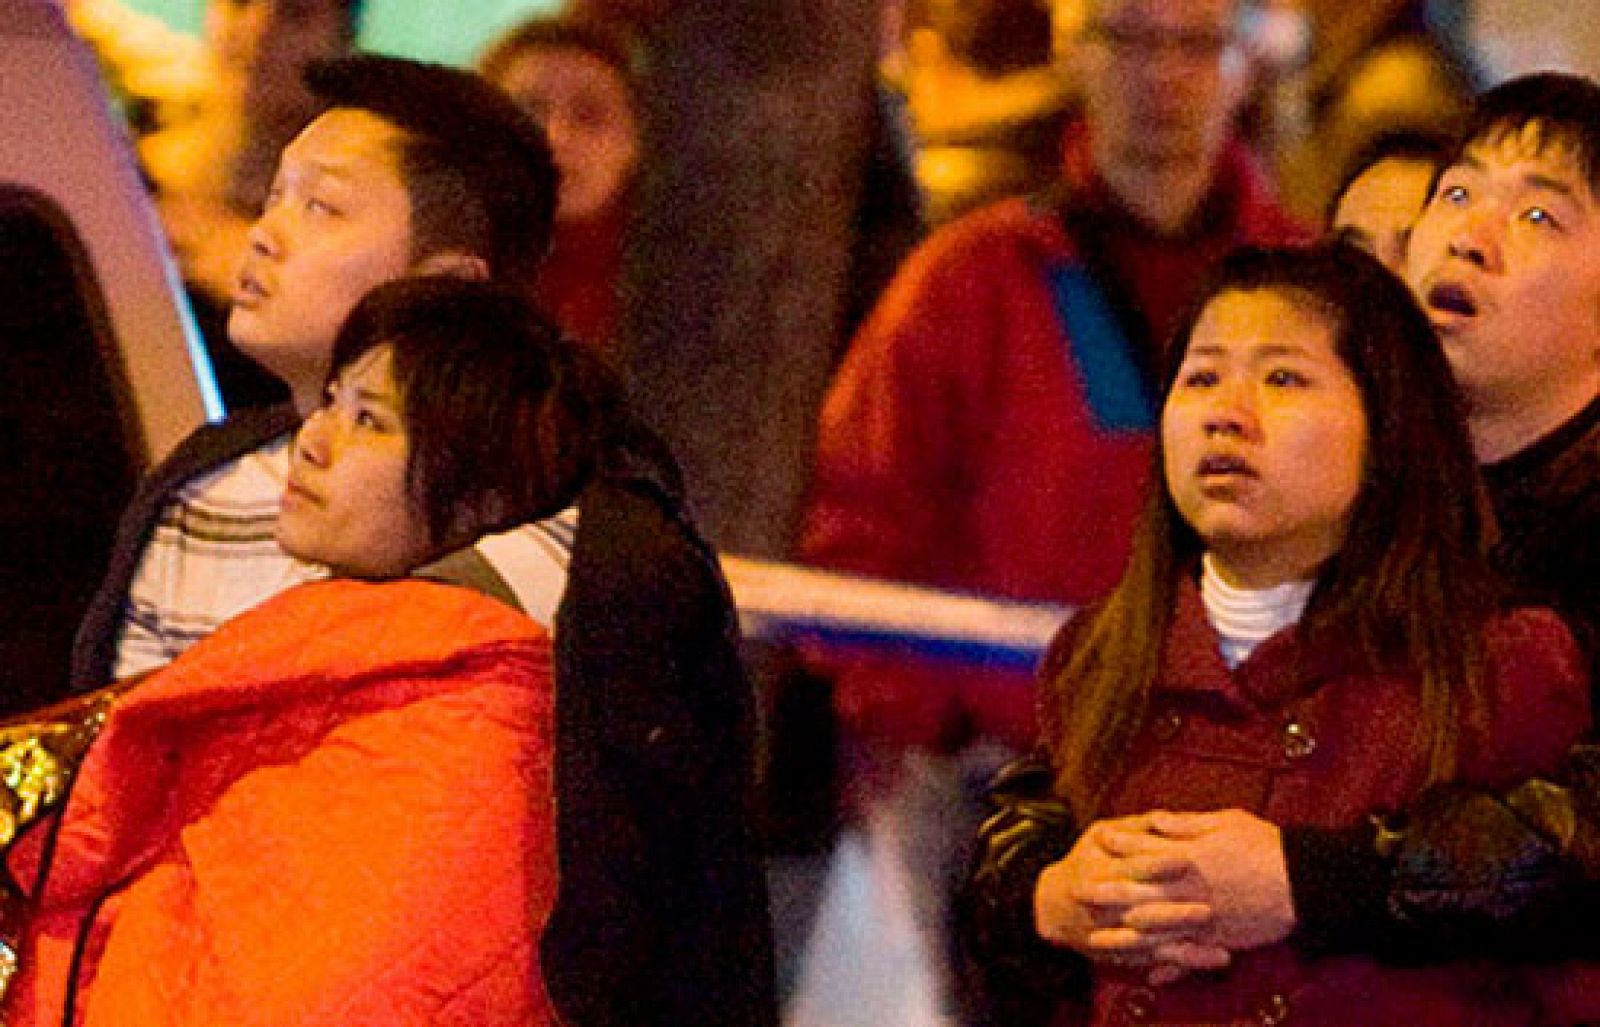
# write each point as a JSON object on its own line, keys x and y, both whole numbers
{"x": 336, "y": 224}
{"x": 1506, "y": 260}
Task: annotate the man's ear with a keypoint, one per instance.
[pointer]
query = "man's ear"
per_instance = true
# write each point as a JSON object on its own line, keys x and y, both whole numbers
{"x": 453, "y": 262}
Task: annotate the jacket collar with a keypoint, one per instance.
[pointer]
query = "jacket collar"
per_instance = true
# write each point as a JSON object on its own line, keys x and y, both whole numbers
{"x": 1281, "y": 669}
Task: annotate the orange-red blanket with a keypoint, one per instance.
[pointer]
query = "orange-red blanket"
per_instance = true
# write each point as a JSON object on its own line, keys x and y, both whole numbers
{"x": 336, "y": 810}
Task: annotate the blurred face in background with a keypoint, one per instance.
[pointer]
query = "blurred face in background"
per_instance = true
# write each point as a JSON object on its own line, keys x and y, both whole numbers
{"x": 1161, "y": 81}
{"x": 587, "y": 111}
{"x": 1378, "y": 208}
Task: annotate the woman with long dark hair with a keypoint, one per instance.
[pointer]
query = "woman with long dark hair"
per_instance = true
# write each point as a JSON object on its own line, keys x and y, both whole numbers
{"x": 1307, "y": 629}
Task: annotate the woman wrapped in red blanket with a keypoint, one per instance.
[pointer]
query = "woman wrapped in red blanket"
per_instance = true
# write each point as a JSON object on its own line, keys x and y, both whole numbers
{"x": 339, "y": 808}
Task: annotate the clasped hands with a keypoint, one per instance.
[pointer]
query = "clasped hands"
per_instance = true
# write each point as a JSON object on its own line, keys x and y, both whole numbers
{"x": 1171, "y": 892}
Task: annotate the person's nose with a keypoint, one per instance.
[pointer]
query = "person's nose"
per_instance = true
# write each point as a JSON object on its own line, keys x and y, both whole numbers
{"x": 265, "y": 236}
{"x": 1476, "y": 240}
{"x": 313, "y": 443}
{"x": 1231, "y": 412}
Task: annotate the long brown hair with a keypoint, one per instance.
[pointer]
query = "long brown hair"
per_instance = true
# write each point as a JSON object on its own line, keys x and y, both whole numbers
{"x": 1411, "y": 587}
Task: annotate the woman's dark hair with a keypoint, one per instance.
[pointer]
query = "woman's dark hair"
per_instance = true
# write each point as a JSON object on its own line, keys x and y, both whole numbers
{"x": 1408, "y": 591}
{"x": 607, "y": 43}
{"x": 507, "y": 419}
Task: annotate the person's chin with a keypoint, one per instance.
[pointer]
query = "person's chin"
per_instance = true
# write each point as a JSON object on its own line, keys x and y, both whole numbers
{"x": 289, "y": 540}
{"x": 244, "y": 326}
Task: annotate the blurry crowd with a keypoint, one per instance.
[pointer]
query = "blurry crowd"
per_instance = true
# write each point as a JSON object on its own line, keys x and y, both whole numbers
{"x": 1267, "y": 334}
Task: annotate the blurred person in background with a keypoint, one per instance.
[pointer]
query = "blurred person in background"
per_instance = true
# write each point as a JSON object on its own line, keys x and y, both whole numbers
{"x": 1384, "y": 192}
{"x": 986, "y": 103}
{"x": 575, "y": 77}
{"x": 1371, "y": 69}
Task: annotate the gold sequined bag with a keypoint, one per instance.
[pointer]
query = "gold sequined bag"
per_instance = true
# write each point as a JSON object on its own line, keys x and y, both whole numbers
{"x": 39, "y": 753}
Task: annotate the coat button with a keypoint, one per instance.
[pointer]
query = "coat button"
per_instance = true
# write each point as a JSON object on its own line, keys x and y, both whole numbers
{"x": 1297, "y": 741}
{"x": 1273, "y": 1011}
{"x": 1139, "y": 1004}
{"x": 1167, "y": 726}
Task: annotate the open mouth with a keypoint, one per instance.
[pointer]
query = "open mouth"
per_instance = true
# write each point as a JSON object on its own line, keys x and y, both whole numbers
{"x": 1220, "y": 466}
{"x": 1452, "y": 299}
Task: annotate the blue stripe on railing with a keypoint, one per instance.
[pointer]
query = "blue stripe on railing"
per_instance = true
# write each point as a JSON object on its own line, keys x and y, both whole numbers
{"x": 787, "y": 601}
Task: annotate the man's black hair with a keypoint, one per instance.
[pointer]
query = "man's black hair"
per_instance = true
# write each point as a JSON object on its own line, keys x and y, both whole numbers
{"x": 478, "y": 170}
{"x": 1565, "y": 107}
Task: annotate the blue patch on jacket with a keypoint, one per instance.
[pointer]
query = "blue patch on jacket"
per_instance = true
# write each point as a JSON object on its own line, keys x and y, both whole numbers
{"x": 1119, "y": 397}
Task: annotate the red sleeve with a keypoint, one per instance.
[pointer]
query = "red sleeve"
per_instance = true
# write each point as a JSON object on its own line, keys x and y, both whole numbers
{"x": 892, "y": 440}
{"x": 1543, "y": 709}
{"x": 1538, "y": 695}
{"x": 899, "y": 428}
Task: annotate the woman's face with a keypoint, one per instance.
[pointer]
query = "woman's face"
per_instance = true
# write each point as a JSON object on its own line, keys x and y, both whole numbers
{"x": 587, "y": 112}
{"x": 1265, "y": 437}
{"x": 347, "y": 504}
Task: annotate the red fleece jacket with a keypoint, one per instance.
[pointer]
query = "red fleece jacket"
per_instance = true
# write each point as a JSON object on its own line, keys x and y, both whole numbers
{"x": 957, "y": 446}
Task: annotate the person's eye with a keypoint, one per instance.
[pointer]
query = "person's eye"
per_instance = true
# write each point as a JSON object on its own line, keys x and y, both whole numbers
{"x": 1200, "y": 378}
{"x": 369, "y": 420}
{"x": 1541, "y": 217}
{"x": 1455, "y": 195}
{"x": 319, "y": 206}
{"x": 1287, "y": 377}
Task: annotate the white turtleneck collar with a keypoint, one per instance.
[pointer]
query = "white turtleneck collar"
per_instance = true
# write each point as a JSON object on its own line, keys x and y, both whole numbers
{"x": 1246, "y": 617}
